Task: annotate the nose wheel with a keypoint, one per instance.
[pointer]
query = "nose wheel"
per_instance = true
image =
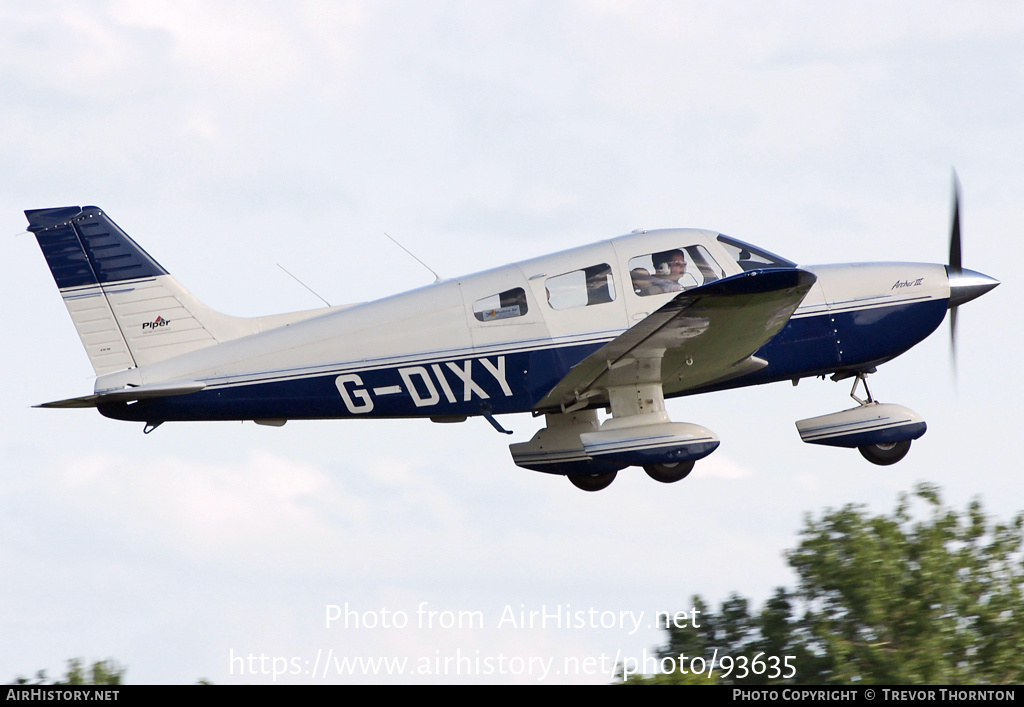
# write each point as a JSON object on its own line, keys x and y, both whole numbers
{"x": 882, "y": 432}
{"x": 885, "y": 454}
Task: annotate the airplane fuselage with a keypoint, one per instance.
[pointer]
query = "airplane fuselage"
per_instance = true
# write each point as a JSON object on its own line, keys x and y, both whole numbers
{"x": 498, "y": 341}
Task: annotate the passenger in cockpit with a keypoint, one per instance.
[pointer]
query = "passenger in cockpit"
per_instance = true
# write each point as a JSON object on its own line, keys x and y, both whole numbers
{"x": 641, "y": 281}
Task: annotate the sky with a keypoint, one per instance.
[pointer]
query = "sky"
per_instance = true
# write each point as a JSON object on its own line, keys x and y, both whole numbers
{"x": 229, "y": 138}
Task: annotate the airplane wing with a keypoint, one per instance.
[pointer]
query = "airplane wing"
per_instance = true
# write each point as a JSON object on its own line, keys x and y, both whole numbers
{"x": 701, "y": 336}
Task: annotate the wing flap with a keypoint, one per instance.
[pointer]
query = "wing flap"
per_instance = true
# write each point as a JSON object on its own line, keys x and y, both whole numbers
{"x": 703, "y": 335}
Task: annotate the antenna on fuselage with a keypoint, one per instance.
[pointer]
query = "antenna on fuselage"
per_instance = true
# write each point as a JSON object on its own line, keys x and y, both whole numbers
{"x": 304, "y": 285}
{"x": 437, "y": 278}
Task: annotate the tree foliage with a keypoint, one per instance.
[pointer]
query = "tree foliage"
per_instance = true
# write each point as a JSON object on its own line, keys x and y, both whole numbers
{"x": 882, "y": 599}
{"x": 102, "y": 672}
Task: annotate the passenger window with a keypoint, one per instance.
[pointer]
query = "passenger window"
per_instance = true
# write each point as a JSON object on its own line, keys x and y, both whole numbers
{"x": 673, "y": 270}
{"x": 581, "y": 288}
{"x": 505, "y": 305}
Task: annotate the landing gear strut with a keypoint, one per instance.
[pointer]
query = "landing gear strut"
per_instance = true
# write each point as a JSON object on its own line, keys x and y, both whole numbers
{"x": 861, "y": 379}
{"x": 882, "y": 432}
{"x": 883, "y": 453}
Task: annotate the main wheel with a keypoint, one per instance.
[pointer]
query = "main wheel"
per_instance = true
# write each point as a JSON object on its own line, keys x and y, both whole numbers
{"x": 885, "y": 454}
{"x": 593, "y": 482}
{"x": 669, "y": 473}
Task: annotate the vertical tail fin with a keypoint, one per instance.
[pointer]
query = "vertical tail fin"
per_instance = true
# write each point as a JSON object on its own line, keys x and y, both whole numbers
{"x": 128, "y": 310}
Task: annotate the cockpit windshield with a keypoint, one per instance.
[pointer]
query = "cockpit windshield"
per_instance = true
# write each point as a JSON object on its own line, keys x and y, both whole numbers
{"x": 750, "y": 258}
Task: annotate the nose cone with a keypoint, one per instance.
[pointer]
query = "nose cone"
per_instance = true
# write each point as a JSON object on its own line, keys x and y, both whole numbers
{"x": 965, "y": 285}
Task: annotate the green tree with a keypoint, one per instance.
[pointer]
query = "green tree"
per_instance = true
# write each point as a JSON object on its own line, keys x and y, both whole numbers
{"x": 102, "y": 672}
{"x": 881, "y": 599}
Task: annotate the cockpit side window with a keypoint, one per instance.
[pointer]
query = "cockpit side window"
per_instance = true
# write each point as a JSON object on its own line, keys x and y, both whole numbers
{"x": 504, "y": 305}
{"x": 673, "y": 270}
{"x": 581, "y": 288}
{"x": 750, "y": 258}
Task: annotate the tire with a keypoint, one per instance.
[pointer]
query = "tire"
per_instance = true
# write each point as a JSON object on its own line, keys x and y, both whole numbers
{"x": 885, "y": 454}
{"x": 669, "y": 473}
{"x": 593, "y": 482}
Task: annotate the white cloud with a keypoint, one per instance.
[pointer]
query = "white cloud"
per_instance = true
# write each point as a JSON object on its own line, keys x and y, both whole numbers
{"x": 207, "y": 512}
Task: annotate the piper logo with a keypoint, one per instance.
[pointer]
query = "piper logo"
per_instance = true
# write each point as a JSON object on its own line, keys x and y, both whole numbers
{"x": 156, "y": 323}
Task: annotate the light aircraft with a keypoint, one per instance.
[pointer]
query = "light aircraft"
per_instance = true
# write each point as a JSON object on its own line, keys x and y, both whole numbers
{"x": 619, "y": 325}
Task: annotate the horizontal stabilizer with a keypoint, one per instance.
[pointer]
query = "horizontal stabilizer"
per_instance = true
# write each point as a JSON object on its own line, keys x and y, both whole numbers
{"x": 127, "y": 395}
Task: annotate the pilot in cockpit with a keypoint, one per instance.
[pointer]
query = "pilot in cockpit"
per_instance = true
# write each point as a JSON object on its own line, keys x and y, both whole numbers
{"x": 669, "y": 268}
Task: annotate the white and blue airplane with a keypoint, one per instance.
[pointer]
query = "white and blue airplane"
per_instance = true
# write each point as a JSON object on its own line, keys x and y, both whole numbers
{"x": 619, "y": 325}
